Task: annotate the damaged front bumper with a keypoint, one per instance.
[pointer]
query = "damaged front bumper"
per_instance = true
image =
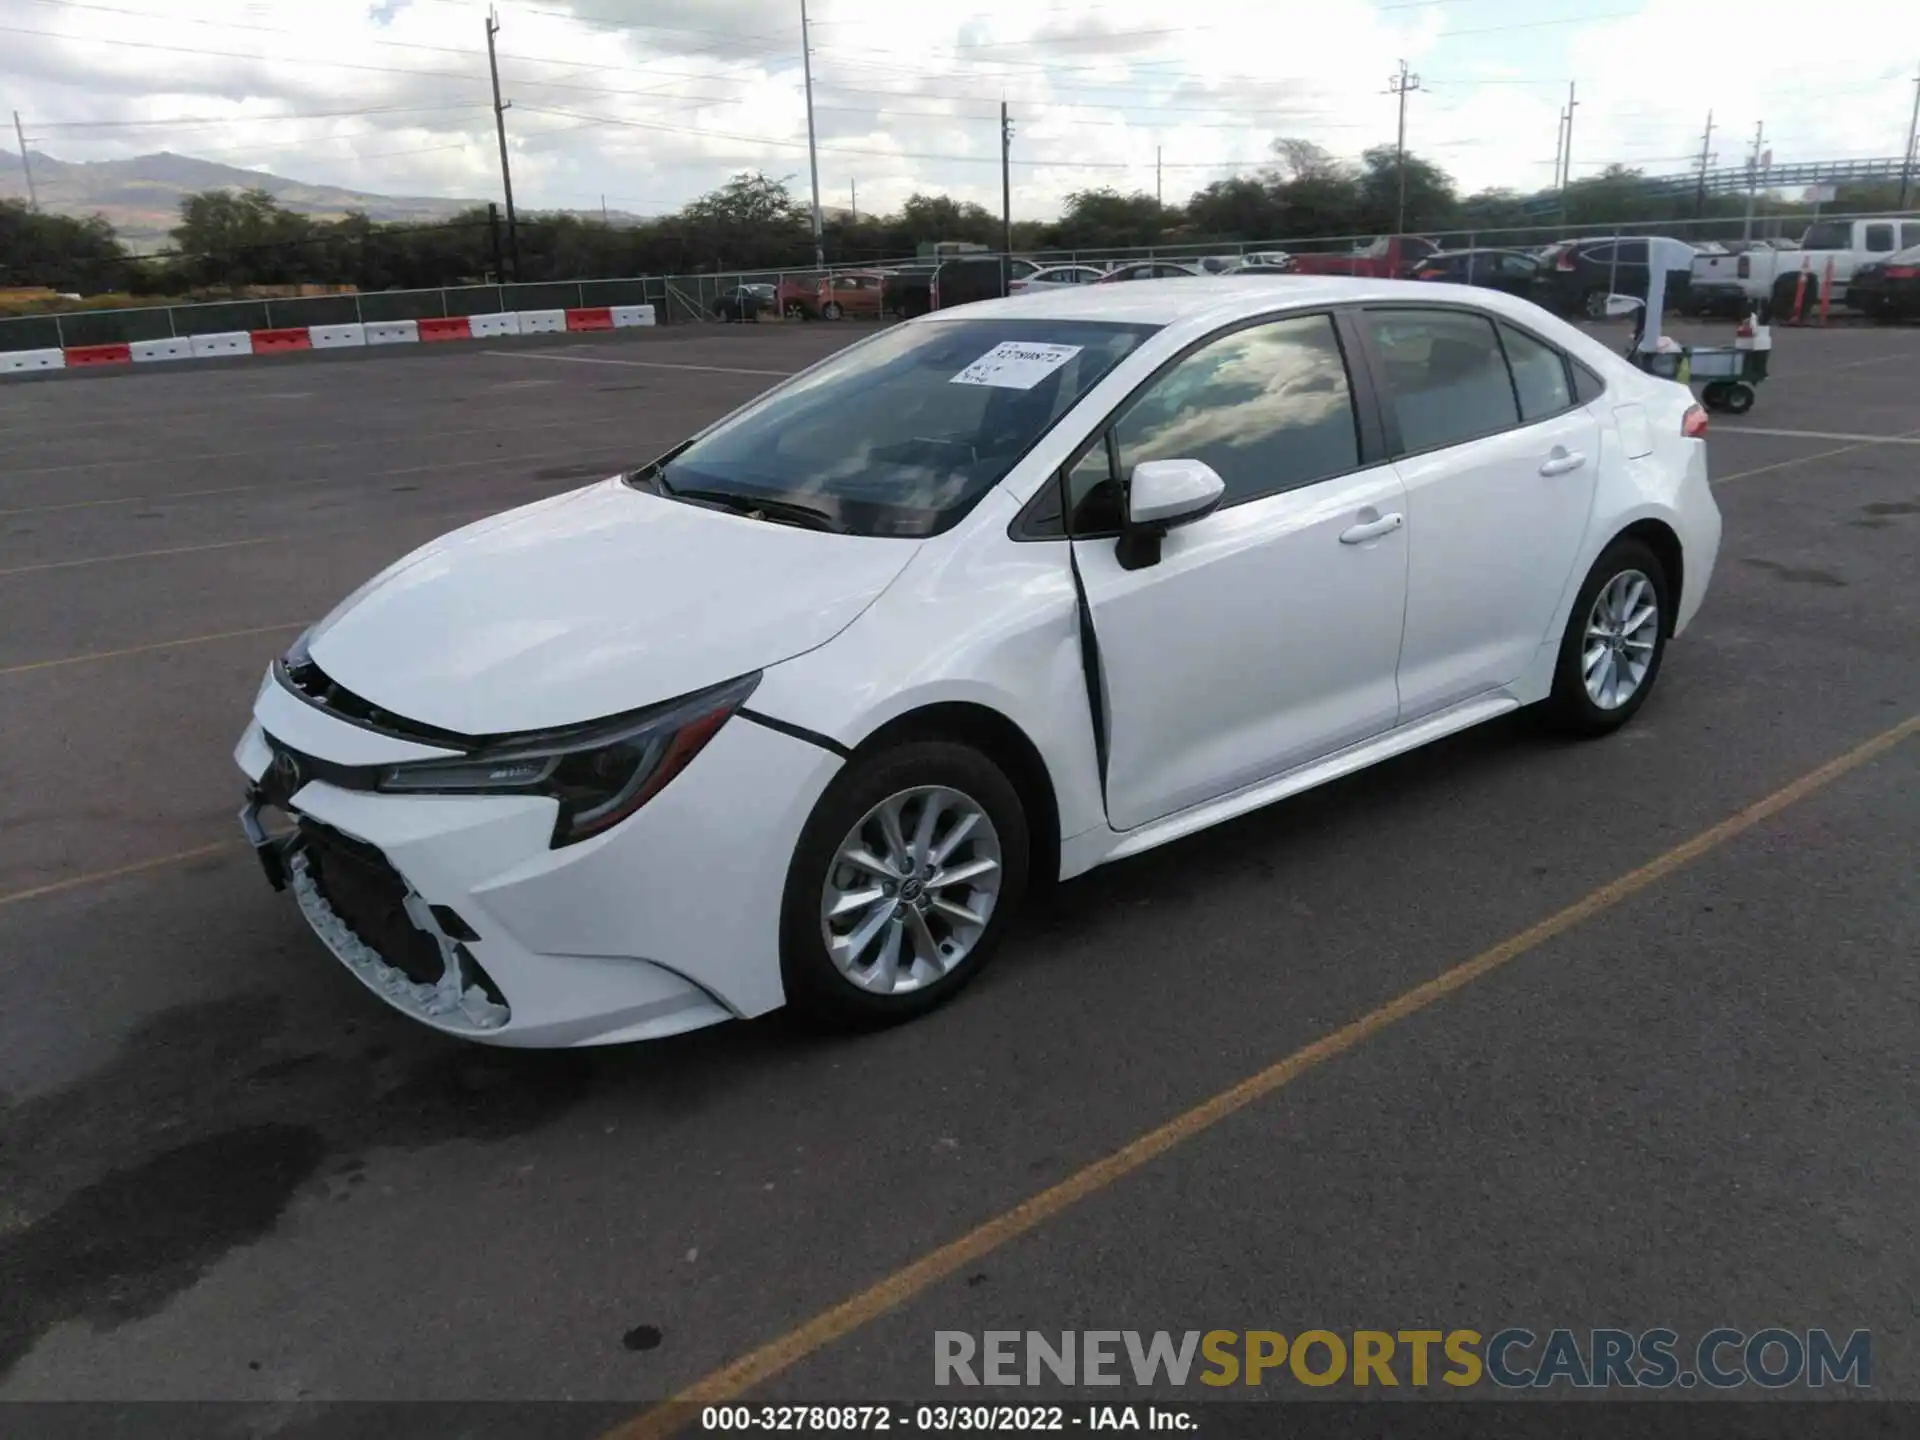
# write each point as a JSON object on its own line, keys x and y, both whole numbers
{"x": 438, "y": 981}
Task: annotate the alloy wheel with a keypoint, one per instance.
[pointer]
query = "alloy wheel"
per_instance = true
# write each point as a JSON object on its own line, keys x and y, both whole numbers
{"x": 911, "y": 890}
{"x": 1623, "y": 628}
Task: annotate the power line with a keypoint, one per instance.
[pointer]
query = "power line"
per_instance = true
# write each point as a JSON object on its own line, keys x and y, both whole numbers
{"x": 186, "y": 122}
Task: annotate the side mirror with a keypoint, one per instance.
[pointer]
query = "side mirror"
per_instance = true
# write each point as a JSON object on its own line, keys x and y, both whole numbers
{"x": 1618, "y": 305}
{"x": 1160, "y": 495}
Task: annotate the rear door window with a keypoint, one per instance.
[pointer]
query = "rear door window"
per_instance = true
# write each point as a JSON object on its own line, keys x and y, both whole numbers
{"x": 1539, "y": 375}
{"x": 1880, "y": 240}
{"x": 1446, "y": 376}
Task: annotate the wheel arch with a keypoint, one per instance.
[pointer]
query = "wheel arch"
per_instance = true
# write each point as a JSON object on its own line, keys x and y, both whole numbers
{"x": 1664, "y": 541}
{"x": 1001, "y": 740}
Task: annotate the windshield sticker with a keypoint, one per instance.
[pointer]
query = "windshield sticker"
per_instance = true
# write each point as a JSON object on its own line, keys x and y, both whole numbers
{"x": 1016, "y": 365}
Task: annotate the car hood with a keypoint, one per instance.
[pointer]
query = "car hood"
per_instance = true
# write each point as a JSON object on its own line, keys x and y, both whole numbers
{"x": 592, "y": 603}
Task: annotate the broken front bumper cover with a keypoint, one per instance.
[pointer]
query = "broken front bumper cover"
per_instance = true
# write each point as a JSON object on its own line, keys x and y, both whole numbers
{"x": 452, "y": 1002}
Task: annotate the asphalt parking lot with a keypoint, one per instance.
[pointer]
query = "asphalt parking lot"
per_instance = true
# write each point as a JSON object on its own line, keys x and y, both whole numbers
{"x": 227, "y": 1173}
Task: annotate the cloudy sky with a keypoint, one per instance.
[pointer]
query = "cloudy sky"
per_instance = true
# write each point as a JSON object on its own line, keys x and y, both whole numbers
{"x": 649, "y": 103}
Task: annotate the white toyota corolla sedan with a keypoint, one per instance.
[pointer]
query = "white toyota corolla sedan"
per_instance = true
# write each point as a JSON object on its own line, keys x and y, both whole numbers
{"x": 796, "y": 712}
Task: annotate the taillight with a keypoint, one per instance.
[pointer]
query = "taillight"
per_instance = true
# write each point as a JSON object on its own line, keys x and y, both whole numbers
{"x": 1694, "y": 425}
{"x": 1746, "y": 266}
{"x": 1564, "y": 261}
{"x": 1901, "y": 272}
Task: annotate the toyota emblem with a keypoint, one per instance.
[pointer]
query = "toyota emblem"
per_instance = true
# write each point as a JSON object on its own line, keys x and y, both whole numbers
{"x": 286, "y": 772}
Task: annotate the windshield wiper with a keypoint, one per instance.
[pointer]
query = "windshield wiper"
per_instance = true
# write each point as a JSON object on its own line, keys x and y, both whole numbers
{"x": 786, "y": 511}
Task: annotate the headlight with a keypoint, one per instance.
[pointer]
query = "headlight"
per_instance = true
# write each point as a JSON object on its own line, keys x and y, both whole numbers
{"x": 600, "y": 773}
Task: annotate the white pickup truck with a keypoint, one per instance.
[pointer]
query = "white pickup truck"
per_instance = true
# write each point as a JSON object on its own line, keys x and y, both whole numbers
{"x": 1760, "y": 272}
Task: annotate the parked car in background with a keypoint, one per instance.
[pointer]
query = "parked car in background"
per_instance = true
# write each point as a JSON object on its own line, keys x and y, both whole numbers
{"x": 1149, "y": 270}
{"x": 852, "y": 295}
{"x": 1578, "y": 275}
{"x": 1513, "y": 271}
{"x": 1019, "y": 267}
{"x": 1767, "y": 273}
{"x": 798, "y": 297}
{"x": 1888, "y": 289}
{"x": 1055, "y": 277}
{"x": 746, "y": 302}
{"x": 1388, "y": 257}
{"x": 959, "y": 280}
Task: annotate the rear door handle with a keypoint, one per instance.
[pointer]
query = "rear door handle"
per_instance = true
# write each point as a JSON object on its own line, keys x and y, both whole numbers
{"x": 1562, "y": 461}
{"x": 1372, "y": 529}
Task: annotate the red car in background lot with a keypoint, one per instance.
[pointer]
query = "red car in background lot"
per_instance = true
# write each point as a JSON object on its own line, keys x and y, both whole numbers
{"x": 854, "y": 295}
{"x": 1390, "y": 257}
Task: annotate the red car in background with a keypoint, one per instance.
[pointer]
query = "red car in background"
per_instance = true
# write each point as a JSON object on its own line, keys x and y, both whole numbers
{"x": 852, "y": 295}
{"x": 1390, "y": 257}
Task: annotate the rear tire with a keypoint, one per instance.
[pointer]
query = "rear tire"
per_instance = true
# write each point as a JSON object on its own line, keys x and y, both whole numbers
{"x": 880, "y": 942}
{"x": 1611, "y": 651}
{"x": 831, "y": 310}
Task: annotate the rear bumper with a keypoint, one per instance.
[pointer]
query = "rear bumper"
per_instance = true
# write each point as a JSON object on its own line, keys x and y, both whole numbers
{"x": 667, "y": 922}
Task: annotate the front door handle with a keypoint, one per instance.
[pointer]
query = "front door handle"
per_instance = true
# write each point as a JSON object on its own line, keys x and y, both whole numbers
{"x": 1560, "y": 462}
{"x": 1372, "y": 529}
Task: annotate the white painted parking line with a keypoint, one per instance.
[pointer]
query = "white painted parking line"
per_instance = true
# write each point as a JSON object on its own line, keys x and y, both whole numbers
{"x": 640, "y": 364}
{"x": 1826, "y": 435}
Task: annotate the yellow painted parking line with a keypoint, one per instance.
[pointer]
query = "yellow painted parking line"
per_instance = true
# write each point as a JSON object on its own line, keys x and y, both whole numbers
{"x": 169, "y": 496}
{"x": 93, "y": 655}
{"x": 732, "y": 1381}
{"x": 145, "y": 554}
{"x": 95, "y": 877}
{"x": 637, "y": 364}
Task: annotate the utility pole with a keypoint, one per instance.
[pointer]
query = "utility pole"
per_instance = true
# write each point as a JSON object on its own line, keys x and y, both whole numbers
{"x": 1401, "y": 85}
{"x": 1006, "y": 182}
{"x": 603, "y": 210}
{"x": 500, "y": 108}
{"x": 1559, "y": 147}
{"x": 813, "y": 157}
{"x": 33, "y": 197}
{"x": 1156, "y": 176}
{"x": 1906, "y": 164}
{"x": 1753, "y": 178}
{"x": 1706, "y": 158}
{"x": 1566, "y": 161}
{"x": 853, "y": 198}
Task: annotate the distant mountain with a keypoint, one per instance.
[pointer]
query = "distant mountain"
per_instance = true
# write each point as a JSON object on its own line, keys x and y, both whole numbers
{"x": 141, "y": 196}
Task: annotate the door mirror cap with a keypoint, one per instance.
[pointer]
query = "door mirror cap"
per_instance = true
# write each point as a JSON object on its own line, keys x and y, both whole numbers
{"x": 1618, "y": 305}
{"x": 1165, "y": 493}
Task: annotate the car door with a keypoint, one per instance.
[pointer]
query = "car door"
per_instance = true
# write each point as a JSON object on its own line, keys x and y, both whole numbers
{"x": 1499, "y": 462}
{"x": 1267, "y": 633}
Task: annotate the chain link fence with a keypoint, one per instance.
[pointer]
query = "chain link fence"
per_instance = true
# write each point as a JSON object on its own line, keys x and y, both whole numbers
{"x": 695, "y": 299}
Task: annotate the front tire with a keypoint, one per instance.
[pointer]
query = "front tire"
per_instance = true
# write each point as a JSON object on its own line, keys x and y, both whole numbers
{"x": 1615, "y": 639}
{"x": 906, "y": 875}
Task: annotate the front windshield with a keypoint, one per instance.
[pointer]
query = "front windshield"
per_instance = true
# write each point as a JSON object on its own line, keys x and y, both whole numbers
{"x": 903, "y": 434}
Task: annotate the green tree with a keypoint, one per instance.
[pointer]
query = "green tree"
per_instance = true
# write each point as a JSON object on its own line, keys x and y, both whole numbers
{"x": 1431, "y": 201}
{"x": 59, "y": 251}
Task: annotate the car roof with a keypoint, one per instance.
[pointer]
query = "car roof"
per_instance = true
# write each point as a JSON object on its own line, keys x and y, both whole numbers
{"x": 1167, "y": 302}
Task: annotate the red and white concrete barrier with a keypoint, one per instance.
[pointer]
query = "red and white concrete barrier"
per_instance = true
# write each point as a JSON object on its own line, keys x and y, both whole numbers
{"x": 230, "y": 342}
{"x": 19, "y": 362}
{"x": 178, "y": 347}
{"x": 331, "y": 337}
{"x": 336, "y": 337}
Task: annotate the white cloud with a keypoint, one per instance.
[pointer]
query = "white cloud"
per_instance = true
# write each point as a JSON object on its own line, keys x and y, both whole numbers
{"x": 651, "y": 103}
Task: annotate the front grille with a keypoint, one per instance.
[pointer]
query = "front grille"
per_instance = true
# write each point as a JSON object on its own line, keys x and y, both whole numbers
{"x": 370, "y": 896}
